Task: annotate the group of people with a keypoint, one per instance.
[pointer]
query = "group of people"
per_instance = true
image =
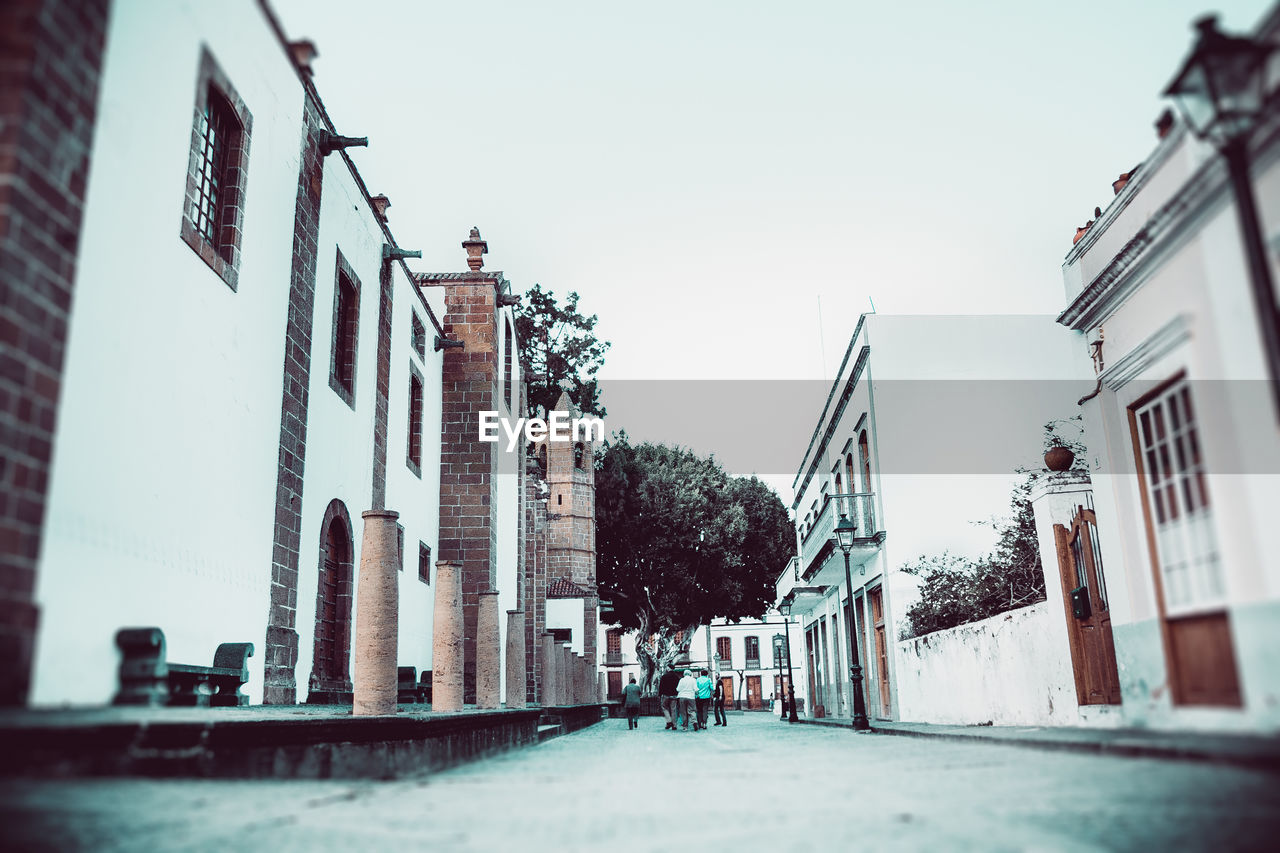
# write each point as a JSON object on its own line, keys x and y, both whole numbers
{"x": 684, "y": 698}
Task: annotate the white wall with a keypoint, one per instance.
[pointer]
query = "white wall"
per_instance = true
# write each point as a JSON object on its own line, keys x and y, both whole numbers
{"x": 567, "y": 613}
{"x": 1007, "y": 670}
{"x": 162, "y": 494}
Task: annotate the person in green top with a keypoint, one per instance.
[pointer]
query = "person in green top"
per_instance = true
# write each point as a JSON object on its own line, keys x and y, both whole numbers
{"x": 631, "y": 703}
{"x": 704, "y": 688}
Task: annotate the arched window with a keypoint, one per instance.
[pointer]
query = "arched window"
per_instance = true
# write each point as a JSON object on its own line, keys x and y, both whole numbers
{"x": 579, "y": 455}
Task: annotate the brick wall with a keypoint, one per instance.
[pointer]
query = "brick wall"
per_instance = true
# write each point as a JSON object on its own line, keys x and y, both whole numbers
{"x": 534, "y": 594}
{"x": 470, "y": 384}
{"x": 571, "y": 528}
{"x": 383, "y": 389}
{"x": 52, "y": 53}
{"x": 281, "y": 657}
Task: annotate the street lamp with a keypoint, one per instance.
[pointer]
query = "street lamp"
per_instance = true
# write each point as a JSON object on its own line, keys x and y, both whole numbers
{"x": 845, "y": 530}
{"x": 1220, "y": 92}
{"x": 785, "y": 609}
{"x": 777, "y": 664}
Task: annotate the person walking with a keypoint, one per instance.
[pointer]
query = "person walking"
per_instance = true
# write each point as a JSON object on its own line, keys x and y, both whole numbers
{"x": 631, "y": 704}
{"x": 703, "y": 698}
{"x": 667, "y": 695}
{"x": 687, "y": 692}
{"x": 719, "y": 704}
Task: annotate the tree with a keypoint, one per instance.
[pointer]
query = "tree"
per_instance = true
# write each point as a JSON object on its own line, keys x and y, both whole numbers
{"x": 955, "y": 591}
{"x": 680, "y": 542}
{"x": 559, "y": 349}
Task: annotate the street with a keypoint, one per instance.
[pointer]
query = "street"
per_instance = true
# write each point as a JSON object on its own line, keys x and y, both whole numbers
{"x": 756, "y": 785}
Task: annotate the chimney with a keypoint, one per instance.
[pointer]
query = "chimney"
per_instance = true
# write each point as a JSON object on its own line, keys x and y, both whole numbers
{"x": 380, "y": 205}
{"x": 475, "y": 248}
{"x": 303, "y": 53}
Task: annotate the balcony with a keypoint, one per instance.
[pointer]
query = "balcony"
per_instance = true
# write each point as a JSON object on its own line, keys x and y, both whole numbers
{"x": 753, "y": 663}
{"x": 819, "y": 542}
{"x": 613, "y": 658}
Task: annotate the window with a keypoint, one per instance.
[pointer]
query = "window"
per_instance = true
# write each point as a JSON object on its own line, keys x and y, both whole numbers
{"x": 424, "y": 562}
{"x": 613, "y": 642}
{"x": 218, "y": 161}
{"x": 415, "y": 421}
{"x": 753, "y": 652}
{"x": 724, "y": 648}
{"x": 419, "y": 338}
{"x": 1178, "y": 502}
{"x": 346, "y": 321}
{"x": 579, "y": 455}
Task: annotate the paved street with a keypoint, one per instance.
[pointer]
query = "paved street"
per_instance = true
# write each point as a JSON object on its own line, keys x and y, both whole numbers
{"x": 756, "y": 785}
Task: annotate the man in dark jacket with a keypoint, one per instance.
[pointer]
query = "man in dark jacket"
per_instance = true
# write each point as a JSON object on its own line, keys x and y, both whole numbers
{"x": 631, "y": 703}
{"x": 667, "y": 695}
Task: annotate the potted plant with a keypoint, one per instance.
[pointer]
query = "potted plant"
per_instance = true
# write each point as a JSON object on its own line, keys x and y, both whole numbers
{"x": 1062, "y": 451}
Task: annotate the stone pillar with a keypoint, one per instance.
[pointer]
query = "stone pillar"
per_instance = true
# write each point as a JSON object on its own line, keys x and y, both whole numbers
{"x": 564, "y": 672}
{"x": 488, "y": 652}
{"x": 602, "y": 688}
{"x": 549, "y": 654}
{"x": 584, "y": 692}
{"x": 377, "y": 615}
{"x": 515, "y": 661}
{"x": 446, "y": 639}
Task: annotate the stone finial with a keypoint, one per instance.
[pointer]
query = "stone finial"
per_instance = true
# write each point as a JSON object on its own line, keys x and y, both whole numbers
{"x": 303, "y": 52}
{"x": 475, "y": 249}
{"x": 380, "y": 205}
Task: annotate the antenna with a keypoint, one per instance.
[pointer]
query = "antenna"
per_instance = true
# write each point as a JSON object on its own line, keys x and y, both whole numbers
{"x": 822, "y": 341}
{"x": 873, "y": 303}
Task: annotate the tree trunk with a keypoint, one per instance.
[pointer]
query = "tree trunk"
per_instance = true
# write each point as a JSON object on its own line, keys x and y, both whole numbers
{"x": 664, "y": 653}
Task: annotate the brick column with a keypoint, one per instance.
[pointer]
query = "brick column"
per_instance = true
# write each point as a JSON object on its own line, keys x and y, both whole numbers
{"x": 377, "y": 615}
{"x": 535, "y": 582}
{"x": 515, "y": 660}
{"x": 48, "y": 107}
{"x": 566, "y": 676}
{"x": 488, "y": 652}
{"x": 446, "y": 640}
{"x": 280, "y": 685}
{"x": 383, "y": 388}
{"x": 470, "y": 383}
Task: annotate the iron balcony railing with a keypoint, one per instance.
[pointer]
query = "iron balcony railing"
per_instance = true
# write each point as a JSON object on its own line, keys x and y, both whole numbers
{"x": 817, "y": 541}
{"x": 613, "y": 658}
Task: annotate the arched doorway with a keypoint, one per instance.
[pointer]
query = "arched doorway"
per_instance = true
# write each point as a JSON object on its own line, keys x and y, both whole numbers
{"x": 330, "y": 680}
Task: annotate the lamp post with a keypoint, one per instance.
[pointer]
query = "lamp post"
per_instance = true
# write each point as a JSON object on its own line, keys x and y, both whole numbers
{"x": 845, "y": 529}
{"x": 779, "y": 695}
{"x": 785, "y": 609}
{"x": 1220, "y": 92}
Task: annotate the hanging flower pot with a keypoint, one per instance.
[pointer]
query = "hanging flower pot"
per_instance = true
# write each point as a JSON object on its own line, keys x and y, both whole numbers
{"x": 1059, "y": 458}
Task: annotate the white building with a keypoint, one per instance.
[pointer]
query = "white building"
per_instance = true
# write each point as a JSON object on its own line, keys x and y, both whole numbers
{"x": 926, "y": 421}
{"x": 249, "y": 366}
{"x": 1183, "y": 435}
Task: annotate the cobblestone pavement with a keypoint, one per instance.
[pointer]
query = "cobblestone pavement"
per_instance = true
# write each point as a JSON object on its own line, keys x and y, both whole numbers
{"x": 756, "y": 785}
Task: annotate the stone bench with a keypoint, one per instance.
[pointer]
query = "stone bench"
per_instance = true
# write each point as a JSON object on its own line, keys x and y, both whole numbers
{"x": 146, "y": 678}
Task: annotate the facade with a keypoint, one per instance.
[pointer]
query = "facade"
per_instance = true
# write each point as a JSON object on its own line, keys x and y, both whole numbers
{"x": 741, "y": 655}
{"x": 923, "y": 428}
{"x": 1183, "y": 442}
{"x": 234, "y": 363}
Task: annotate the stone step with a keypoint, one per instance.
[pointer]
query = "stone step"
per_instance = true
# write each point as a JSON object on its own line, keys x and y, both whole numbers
{"x": 549, "y": 730}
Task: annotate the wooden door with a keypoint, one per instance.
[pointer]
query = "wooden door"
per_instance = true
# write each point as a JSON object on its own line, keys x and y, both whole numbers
{"x": 330, "y": 648}
{"x": 882, "y": 648}
{"x": 726, "y": 682}
{"x": 754, "y": 700}
{"x": 1187, "y": 567}
{"x": 615, "y": 684}
{"x": 1084, "y": 592}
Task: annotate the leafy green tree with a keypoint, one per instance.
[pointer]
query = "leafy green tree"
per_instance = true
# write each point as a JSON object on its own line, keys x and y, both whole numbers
{"x": 559, "y": 349}
{"x": 680, "y": 542}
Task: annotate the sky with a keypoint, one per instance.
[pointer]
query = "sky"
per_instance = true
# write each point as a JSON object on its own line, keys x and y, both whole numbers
{"x": 728, "y": 185}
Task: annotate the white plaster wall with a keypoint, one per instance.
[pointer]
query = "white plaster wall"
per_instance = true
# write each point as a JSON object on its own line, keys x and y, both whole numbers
{"x": 1006, "y": 670}
{"x": 567, "y": 613}
{"x": 162, "y": 493}
{"x": 416, "y": 497}
{"x": 507, "y": 494}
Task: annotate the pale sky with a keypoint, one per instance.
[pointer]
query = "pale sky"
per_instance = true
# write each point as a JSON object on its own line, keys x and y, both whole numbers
{"x": 702, "y": 173}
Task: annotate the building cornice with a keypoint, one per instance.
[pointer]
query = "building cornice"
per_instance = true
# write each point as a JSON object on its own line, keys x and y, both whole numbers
{"x": 830, "y": 394}
{"x": 1164, "y": 340}
{"x": 846, "y": 394}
